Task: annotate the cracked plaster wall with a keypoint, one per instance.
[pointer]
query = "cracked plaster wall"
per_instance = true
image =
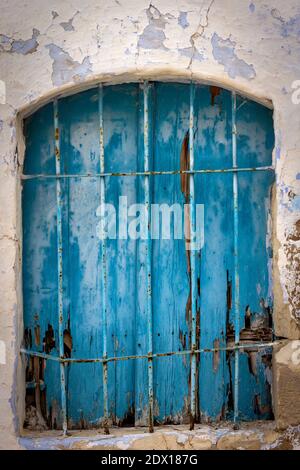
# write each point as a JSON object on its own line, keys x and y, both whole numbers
{"x": 53, "y": 47}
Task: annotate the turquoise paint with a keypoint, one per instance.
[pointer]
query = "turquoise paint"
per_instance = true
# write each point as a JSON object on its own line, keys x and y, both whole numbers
{"x": 126, "y": 259}
{"x": 295, "y": 204}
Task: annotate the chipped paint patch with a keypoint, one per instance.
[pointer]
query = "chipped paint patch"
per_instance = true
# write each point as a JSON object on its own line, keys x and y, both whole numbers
{"x": 270, "y": 54}
{"x": 295, "y": 204}
{"x": 191, "y": 53}
{"x": 289, "y": 27}
{"x": 67, "y": 25}
{"x": 224, "y": 53}
{"x": 19, "y": 46}
{"x": 277, "y": 153}
{"x": 64, "y": 68}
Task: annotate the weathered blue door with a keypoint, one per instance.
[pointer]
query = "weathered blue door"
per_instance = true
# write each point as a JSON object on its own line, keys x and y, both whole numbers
{"x": 65, "y": 136}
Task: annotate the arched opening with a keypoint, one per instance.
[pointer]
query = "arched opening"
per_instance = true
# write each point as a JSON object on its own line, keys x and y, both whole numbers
{"x": 132, "y": 323}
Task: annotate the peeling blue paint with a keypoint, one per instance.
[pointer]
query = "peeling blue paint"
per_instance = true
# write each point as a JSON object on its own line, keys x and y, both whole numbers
{"x": 64, "y": 68}
{"x": 295, "y": 204}
{"x": 4, "y": 39}
{"x": 288, "y": 199}
{"x": 298, "y": 176}
{"x": 252, "y": 7}
{"x": 182, "y": 19}
{"x": 191, "y": 53}
{"x": 126, "y": 259}
{"x": 19, "y": 46}
{"x": 52, "y": 442}
{"x": 224, "y": 53}
{"x": 153, "y": 36}
{"x": 292, "y": 27}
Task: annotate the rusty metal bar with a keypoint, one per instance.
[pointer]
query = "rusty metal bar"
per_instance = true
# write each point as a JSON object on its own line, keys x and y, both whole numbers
{"x": 240, "y": 347}
{"x": 146, "y": 87}
{"x": 193, "y": 279}
{"x": 103, "y": 272}
{"x": 148, "y": 173}
{"x": 236, "y": 261}
{"x": 60, "y": 267}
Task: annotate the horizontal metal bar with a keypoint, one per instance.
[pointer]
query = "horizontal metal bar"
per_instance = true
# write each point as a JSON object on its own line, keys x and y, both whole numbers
{"x": 146, "y": 173}
{"x": 147, "y": 356}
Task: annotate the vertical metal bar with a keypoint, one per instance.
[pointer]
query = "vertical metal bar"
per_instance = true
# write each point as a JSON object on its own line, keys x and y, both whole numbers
{"x": 103, "y": 264}
{"x": 60, "y": 267}
{"x": 148, "y": 256}
{"x": 236, "y": 263}
{"x": 193, "y": 260}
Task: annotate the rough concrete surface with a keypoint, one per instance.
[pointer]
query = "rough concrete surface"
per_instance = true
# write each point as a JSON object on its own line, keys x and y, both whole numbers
{"x": 55, "y": 47}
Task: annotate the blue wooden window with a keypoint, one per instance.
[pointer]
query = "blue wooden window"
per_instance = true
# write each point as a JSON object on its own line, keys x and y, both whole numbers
{"x": 139, "y": 332}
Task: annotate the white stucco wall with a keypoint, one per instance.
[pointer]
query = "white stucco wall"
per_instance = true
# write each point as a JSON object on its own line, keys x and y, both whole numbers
{"x": 52, "y": 46}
